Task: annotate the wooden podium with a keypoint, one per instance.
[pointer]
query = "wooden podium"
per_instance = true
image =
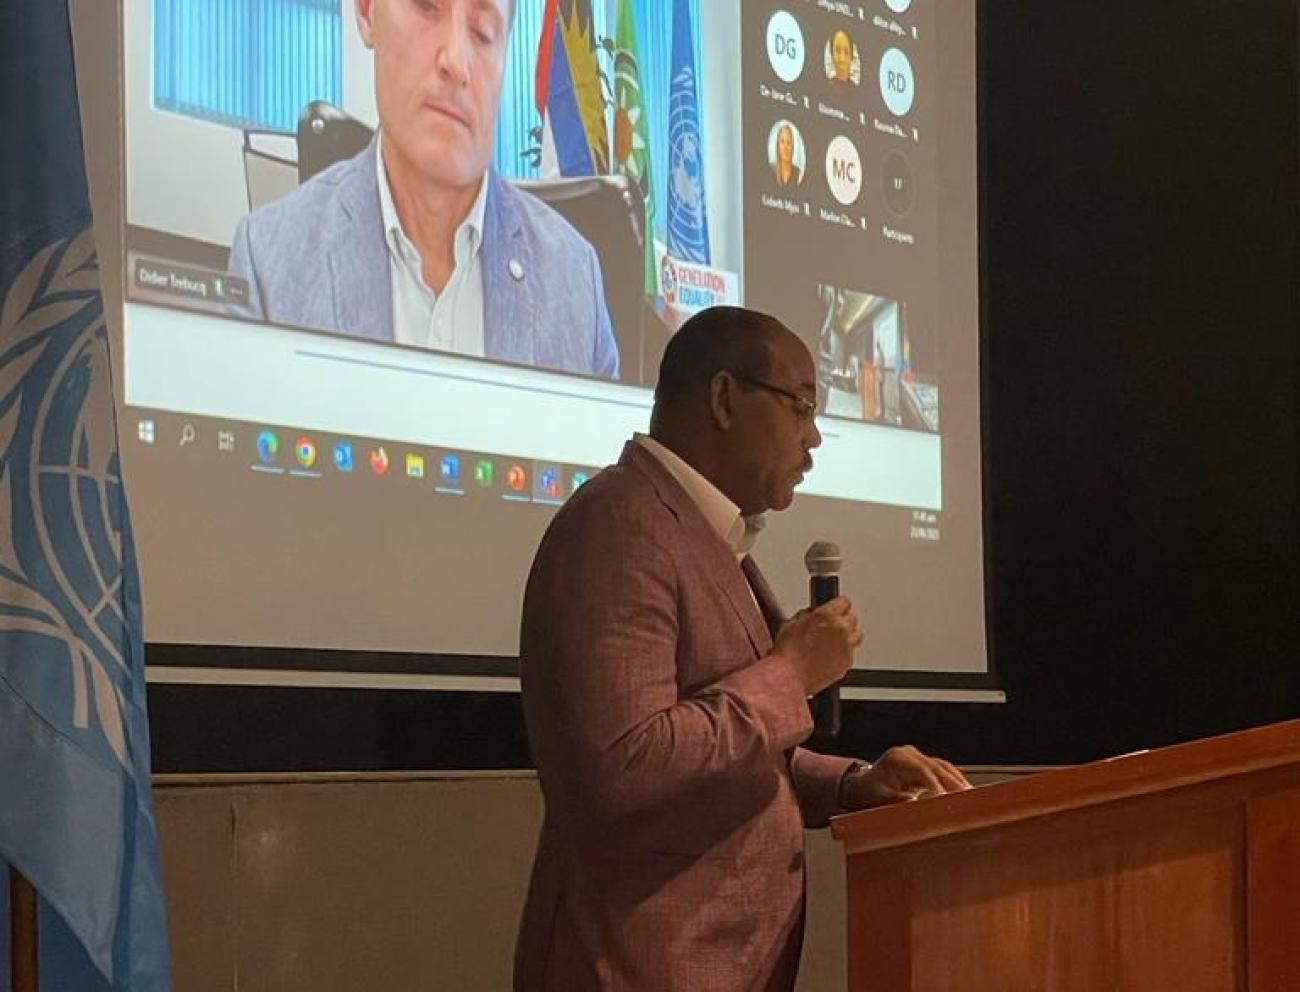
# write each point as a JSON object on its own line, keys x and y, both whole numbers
{"x": 1175, "y": 870}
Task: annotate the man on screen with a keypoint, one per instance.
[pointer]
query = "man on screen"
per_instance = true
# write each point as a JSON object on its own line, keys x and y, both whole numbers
{"x": 416, "y": 239}
{"x": 665, "y": 694}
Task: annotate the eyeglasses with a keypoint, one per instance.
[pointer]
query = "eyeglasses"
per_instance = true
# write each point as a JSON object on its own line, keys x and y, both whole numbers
{"x": 804, "y": 408}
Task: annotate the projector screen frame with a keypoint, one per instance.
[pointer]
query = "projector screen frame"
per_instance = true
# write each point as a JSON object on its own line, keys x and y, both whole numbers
{"x": 198, "y": 664}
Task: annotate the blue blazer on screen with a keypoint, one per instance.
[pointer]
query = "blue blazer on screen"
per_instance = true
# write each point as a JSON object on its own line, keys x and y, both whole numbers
{"x": 317, "y": 258}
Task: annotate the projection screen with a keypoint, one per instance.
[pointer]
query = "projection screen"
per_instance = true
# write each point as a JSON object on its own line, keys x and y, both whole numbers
{"x": 321, "y": 460}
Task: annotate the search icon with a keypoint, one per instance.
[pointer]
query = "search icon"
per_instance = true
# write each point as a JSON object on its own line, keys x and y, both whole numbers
{"x": 187, "y": 435}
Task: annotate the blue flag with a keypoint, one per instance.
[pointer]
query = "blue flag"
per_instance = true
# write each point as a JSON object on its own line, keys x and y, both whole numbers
{"x": 688, "y": 220}
{"x": 75, "y": 808}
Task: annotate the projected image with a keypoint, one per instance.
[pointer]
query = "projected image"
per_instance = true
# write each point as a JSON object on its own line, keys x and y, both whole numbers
{"x": 519, "y": 205}
{"x": 425, "y": 244}
{"x": 865, "y": 363}
{"x": 399, "y": 276}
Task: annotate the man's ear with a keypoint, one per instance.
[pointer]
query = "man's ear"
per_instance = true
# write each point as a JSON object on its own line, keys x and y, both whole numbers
{"x": 365, "y": 21}
{"x": 722, "y": 398}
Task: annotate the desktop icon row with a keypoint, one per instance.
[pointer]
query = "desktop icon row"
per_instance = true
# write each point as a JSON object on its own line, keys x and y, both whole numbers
{"x": 451, "y": 472}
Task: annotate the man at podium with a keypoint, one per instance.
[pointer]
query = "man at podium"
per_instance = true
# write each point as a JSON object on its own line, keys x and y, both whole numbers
{"x": 665, "y": 695}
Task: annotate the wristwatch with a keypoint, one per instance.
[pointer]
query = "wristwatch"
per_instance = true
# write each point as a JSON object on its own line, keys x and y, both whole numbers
{"x": 855, "y": 768}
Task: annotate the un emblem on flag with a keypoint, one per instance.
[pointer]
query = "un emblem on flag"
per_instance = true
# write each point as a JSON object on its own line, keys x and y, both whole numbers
{"x": 63, "y": 623}
{"x": 687, "y": 230}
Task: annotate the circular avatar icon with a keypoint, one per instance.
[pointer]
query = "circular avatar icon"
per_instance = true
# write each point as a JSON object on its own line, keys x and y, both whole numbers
{"x": 896, "y": 183}
{"x": 844, "y": 170}
{"x": 843, "y": 61}
{"x": 785, "y": 46}
{"x": 897, "y": 84}
{"x": 786, "y": 154}
{"x": 898, "y": 6}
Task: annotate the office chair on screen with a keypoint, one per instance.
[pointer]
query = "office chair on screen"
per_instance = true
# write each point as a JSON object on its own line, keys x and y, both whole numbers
{"x": 608, "y": 211}
{"x": 278, "y": 162}
{"x": 327, "y": 135}
{"x": 270, "y": 165}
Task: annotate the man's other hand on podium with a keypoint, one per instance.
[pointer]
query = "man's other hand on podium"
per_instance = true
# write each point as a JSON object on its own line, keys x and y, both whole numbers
{"x": 902, "y": 774}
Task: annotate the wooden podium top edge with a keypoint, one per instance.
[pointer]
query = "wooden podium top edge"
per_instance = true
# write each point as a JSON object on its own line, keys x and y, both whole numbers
{"x": 1061, "y": 790}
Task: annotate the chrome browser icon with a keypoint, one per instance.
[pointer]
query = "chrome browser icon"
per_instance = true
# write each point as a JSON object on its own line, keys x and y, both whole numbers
{"x": 305, "y": 449}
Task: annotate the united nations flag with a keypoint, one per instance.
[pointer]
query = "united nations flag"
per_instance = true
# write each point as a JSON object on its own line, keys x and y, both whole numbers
{"x": 688, "y": 219}
{"x": 75, "y": 809}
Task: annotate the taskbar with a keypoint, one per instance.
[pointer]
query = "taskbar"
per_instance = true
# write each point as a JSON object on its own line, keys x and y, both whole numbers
{"x": 303, "y": 456}
{"x": 161, "y": 443}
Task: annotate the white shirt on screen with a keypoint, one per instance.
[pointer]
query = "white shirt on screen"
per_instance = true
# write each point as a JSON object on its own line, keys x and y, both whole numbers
{"x": 453, "y": 319}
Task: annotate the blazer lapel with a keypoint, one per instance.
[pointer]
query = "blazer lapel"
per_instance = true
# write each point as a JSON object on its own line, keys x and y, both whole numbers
{"x": 767, "y": 601}
{"x": 718, "y": 560}
{"x": 358, "y": 255}
{"x": 509, "y": 279}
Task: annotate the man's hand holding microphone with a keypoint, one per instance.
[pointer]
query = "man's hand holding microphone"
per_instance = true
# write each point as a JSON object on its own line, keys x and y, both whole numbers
{"x": 818, "y": 643}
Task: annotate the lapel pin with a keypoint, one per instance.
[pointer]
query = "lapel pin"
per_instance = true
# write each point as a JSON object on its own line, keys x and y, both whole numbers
{"x": 517, "y": 270}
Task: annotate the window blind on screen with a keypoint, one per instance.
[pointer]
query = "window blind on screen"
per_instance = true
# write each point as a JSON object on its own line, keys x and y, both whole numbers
{"x": 247, "y": 63}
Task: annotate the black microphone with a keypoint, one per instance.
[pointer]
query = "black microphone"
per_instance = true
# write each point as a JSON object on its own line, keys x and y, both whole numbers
{"x": 823, "y": 561}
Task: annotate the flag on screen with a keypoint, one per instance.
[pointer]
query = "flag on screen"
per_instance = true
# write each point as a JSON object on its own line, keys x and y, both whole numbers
{"x": 631, "y": 130}
{"x": 76, "y": 815}
{"x": 688, "y": 220}
{"x": 568, "y": 91}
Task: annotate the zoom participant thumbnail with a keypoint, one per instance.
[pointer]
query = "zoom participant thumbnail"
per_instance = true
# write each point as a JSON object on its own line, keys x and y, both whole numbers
{"x": 414, "y": 239}
{"x": 865, "y": 356}
{"x": 364, "y": 200}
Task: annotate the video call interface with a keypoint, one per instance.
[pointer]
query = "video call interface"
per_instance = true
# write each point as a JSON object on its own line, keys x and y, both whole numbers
{"x": 296, "y": 366}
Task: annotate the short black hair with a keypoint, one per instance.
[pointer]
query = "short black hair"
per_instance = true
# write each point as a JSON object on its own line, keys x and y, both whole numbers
{"x": 718, "y": 339}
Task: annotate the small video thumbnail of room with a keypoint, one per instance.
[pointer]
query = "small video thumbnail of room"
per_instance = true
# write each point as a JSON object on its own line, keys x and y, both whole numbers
{"x": 867, "y": 363}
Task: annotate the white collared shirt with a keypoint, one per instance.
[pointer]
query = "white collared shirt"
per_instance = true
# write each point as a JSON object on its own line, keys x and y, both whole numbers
{"x": 723, "y": 516}
{"x": 453, "y": 319}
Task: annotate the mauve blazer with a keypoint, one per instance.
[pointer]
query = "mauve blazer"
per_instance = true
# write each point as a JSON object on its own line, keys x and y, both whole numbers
{"x": 671, "y": 855}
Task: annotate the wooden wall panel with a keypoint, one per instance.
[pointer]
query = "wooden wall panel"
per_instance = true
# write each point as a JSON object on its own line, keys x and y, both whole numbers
{"x": 1273, "y": 899}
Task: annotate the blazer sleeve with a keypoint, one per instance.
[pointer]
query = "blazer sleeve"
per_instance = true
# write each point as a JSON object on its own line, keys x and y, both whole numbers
{"x": 605, "y": 359}
{"x": 241, "y": 264}
{"x": 600, "y": 676}
{"x": 817, "y": 779}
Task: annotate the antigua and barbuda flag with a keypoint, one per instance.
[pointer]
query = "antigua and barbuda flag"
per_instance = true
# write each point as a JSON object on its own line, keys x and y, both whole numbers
{"x": 688, "y": 220}
{"x": 575, "y": 139}
{"x": 75, "y": 807}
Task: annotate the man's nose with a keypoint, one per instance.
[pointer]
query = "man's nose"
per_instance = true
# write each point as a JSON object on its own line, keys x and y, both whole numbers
{"x": 454, "y": 50}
